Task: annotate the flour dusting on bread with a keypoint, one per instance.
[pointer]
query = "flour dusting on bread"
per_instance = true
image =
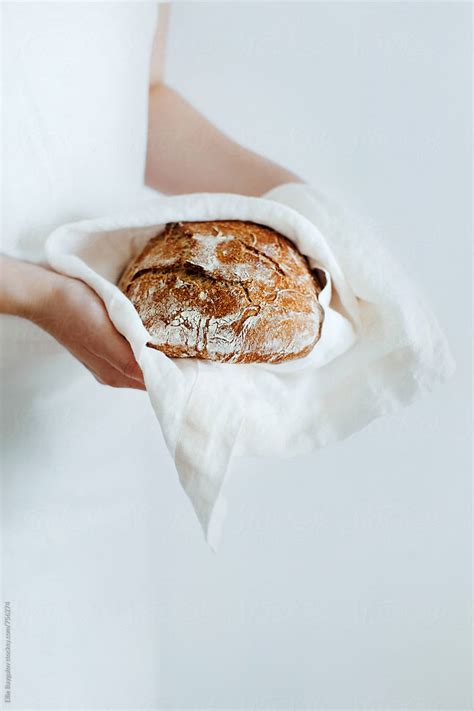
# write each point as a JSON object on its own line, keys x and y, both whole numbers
{"x": 225, "y": 290}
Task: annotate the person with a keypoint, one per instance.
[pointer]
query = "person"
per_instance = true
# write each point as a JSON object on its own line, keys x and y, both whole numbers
{"x": 185, "y": 153}
{"x": 88, "y": 121}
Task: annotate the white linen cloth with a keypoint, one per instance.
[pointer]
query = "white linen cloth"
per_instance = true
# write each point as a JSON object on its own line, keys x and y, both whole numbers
{"x": 380, "y": 346}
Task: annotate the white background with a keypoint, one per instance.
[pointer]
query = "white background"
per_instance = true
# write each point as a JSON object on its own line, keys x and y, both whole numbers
{"x": 349, "y": 586}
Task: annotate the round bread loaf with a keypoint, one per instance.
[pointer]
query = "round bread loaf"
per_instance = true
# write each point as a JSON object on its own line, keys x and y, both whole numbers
{"x": 225, "y": 290}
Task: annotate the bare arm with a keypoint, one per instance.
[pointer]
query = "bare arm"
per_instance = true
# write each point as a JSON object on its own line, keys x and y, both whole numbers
{"x": 186, "y": 153}
{"x": 74, "y": 315}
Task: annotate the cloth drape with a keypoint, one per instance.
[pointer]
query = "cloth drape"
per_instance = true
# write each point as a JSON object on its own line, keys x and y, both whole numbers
{"x": 380, "y": 345}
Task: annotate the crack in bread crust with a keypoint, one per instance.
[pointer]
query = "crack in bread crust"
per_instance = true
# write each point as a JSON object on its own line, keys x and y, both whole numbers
{"x": 186, "y": 269}
{"x": 260, "y": 254}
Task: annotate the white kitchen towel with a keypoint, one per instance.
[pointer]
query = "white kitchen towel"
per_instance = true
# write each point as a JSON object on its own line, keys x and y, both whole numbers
{"x": 380, "y": 346}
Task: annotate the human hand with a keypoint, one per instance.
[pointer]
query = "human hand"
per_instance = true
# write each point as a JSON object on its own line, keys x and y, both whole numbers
{"x": 75, "y": 316}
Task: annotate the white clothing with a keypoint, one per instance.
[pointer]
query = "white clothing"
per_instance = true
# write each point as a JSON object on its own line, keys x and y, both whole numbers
{"x": 77, "y": 532}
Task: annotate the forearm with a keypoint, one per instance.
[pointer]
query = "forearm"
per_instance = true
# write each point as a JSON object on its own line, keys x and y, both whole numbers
{"x": 25, "y": 287}
{"x": 74, "y": 315}
{"x": 186, "y": 153}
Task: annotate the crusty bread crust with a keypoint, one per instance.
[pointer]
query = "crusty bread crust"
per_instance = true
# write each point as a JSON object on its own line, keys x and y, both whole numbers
{"x": 225, "y": 290}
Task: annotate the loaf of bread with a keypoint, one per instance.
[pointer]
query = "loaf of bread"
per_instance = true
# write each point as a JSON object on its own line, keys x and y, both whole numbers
{"x": 225, "y": 290}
